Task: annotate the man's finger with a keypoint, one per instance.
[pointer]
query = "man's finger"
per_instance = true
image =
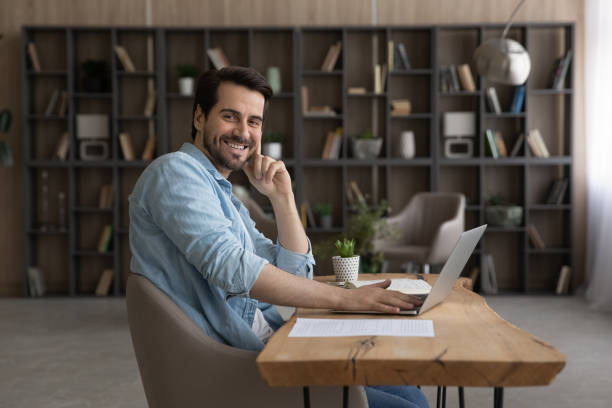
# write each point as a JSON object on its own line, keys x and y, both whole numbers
{"x": 257, "y": 159}
{"x": 274, "y": 168}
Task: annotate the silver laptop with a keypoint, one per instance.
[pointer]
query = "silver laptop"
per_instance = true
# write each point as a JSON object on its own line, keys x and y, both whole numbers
{"x": 449, "y": 274}
{"x": 451, "y": 270}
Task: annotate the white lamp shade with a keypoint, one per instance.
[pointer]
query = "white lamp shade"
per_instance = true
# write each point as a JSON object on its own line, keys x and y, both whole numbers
{"x": 503, "y": 61}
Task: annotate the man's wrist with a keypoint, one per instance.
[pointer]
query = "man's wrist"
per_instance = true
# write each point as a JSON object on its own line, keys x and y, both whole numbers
{"x": 283, "y": 202}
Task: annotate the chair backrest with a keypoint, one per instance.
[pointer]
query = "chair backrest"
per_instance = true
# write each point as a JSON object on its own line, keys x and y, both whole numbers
{"x": 426, "y": 211}
{"x": 181, "y": 366}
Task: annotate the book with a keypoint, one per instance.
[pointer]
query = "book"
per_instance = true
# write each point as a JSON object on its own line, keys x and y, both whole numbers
{"x": 493, "y": 100}
{"x": 535, "y": 237}
{"x": 561, "y": 194}
{"x": 357, "y": 193}
{"x": 403, "y": 55}
{"x": 454, "y": 80}
{"x": 564, "y": 280}
{"x": 536, "y": 143}
{"x": 218, "y": 57}
{"x": 63, "y": 145}
{"x": 149, "y": 150}
{"x": 400, "y": 107}
{"x": 105, "y": 198}
{"x": 517, "y": 145}
{"x": 104, "y": 283}
{"x": 63, "y": 105}
{"x": 329, "y": 62}
{"x": 52, "y": 102}
{"x": 356, "y": 90}
{"x": 391, "y": 56}
{"x": 310, "y": 215}
{"x": 500, "y": 145}
{"x": 377, "y": 81}
{"x": 518, "y": 99}
{"x": 553, "y": 192}
{"x": 149, "y": 107}
{"x": 33, "y": 54}
{"x": 336, "y": 145}
{"x": 124, "y": 57}
{"x": 303, "y": 215}
{"x": 466, "y": 78}
{"x": 383, "y": 78}
{"x": 490, "y": 145}
{"x": 106, "y": 238}
{"x": 305, "y": 101}
{"x": 126, "y": 146}
{"x": 488, "y": 278}
{"x": 36, "y": 281}
{"x": 558, "y": 81}
{"x": 404, "y": 285}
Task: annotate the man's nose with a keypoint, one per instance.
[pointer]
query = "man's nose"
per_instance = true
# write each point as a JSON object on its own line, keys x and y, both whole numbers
{"x": 242, "y": 130}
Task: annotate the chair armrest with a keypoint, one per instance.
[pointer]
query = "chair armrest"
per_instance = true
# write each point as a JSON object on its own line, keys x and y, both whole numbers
{"x": 444, "y": 240}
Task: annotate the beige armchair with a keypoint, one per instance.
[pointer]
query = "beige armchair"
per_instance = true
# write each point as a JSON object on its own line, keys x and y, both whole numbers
{"x": 425, "y": 231}
{"x": 181, "y": 366}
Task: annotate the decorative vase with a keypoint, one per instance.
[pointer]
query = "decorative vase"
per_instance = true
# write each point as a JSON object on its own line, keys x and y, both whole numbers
{"x": 407, "y": 148}
{"x": 504, "y": 215}
{"x": 274, "y": 79}
{"x": 274, "y": 150}
{"x": 327, "y": 221}
{"x": 186, "y": 86}
{"x": 346, "y": 269}
{"x": 367, "y": 148}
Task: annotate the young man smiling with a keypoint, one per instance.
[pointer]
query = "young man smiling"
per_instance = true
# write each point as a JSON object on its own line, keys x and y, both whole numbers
{"x": 193, "y": 238}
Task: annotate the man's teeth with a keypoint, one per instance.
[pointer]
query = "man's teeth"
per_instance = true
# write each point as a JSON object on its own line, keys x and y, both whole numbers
{"x": 235, "y": 146}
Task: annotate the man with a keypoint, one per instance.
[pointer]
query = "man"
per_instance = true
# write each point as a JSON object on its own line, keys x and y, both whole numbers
{"x": 193, "y": 239}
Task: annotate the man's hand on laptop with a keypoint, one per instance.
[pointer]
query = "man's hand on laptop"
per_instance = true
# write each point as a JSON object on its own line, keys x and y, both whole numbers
{"x": 376, "y": 298}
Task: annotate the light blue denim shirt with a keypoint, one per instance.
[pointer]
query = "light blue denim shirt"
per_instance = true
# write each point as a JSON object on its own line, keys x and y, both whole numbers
{"x": 186, "y": 237}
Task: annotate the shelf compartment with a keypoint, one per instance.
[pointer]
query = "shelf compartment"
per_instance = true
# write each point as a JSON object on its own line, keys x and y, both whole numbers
{"x": 404, "y": 183}
{"x": 421, "y": 127}
{"x": 464, "y": 180}
{"x": 270, "y": 49}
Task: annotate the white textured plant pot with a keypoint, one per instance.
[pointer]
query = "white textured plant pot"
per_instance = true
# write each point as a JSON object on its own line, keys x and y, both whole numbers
{"x": 186, "y": 86}
{"x": 327, "y": 221}
{"x": 367, "y": 148}
{"x": 346, "y": 269}
{"x": 274, "y": 150}
{"x": 407, "y": 148}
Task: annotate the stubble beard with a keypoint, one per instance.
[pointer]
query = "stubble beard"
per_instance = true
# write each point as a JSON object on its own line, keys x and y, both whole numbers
{"x": 212, "y": 145}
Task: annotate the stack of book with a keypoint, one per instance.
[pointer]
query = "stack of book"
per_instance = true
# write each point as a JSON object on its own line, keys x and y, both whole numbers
{"x": 456, "y": 78}
{"x": 536, "y": 144}
{"x": 398, "y": 57}
{"x": 560, "y": 71}
{"x": 401, "y": 107}
{"x": 331, "y": 58}
{"x": 557, "y": 190}
{"x": 496, "y": 147}
{"x": 218, "y": 57}
{"x": 333, "y": 144}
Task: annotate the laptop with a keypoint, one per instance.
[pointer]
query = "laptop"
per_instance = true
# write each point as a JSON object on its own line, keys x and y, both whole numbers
{"x": 449, "y": 274}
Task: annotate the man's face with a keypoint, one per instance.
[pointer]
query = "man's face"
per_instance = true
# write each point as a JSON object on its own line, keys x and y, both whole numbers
{"x": 231, "y": 133}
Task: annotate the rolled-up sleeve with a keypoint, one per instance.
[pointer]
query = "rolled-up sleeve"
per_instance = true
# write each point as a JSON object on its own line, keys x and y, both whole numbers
{"x": 186, "y": 207}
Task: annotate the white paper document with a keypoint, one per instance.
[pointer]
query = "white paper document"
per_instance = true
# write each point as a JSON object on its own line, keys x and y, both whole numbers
{"x": 362, "y": 327}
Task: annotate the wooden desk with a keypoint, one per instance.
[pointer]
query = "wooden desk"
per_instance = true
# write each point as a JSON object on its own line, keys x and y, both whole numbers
{"x": 473, "y": 346}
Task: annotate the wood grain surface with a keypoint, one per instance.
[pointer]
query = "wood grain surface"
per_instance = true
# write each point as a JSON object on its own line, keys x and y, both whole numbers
{"x": 473, "y": 346}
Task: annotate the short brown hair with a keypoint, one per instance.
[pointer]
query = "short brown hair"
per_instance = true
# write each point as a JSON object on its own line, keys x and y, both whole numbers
{"x": 208, "y": 84}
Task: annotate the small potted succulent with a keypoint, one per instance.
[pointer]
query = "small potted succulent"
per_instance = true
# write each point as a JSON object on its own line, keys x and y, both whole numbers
{"x": 346, "y": 263}
{"x": 272, "y": 144}
{"x": 186, "y": 74}
{"x": 324, "y": 210}
{"x": 95, "y": 75}
{"x": 501, "y": 213}
{"x": 366, "y": 145}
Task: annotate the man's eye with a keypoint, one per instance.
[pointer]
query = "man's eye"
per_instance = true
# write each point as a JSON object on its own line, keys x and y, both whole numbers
{"x": 255, "y": 123}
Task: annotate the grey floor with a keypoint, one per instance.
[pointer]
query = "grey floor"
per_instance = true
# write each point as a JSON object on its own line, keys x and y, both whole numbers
{"x": 78, "y": 353}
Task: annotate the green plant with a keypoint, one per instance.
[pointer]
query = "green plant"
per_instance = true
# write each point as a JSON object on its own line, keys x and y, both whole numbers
{"x": 495, "y": 199}
{"x": 366, "y": 134}
{"x": 186, "y": 71}
{"x": 94, "y": 68}
{"x": 272, "y": 136}
{"x": 345, "y": 248}
{"x": 323, "y": 208}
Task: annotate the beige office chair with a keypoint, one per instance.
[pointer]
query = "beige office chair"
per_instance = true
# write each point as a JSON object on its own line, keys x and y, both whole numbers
{"x": 425, "y": 231}
{"x": 264, "y": 222}
{"x": 181, "y": 366}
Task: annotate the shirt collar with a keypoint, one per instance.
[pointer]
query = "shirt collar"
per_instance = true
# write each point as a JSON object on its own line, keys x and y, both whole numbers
{"x": 193, "y": 151}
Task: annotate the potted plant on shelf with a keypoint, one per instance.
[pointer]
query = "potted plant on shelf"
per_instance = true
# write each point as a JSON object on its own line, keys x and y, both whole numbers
{"x": 324, "y": 210}
{"x": 501, "y": 213}
{"x": 346, "y": 263}
{"x": 186, "y": 74}
{"x": 272, "y": 144}
{"x": 366, "y": 145}
{"x": 95, "y": 75}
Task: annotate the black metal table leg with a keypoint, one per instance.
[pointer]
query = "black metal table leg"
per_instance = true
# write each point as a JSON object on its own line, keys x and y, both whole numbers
{"x": 498, "y": 397}
{"x": 345, "y": 397}
{"x": 443, "y": 397}
{"x": 438, "y": 398}
{"x": 306, "y": 397}
{"x": 461, "y": 398}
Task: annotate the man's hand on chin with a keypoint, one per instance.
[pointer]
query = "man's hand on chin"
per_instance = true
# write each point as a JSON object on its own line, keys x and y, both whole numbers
{"x": 269, "y": 176}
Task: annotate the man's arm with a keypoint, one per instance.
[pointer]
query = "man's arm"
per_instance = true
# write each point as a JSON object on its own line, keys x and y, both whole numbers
{"x": 281, "y": 288}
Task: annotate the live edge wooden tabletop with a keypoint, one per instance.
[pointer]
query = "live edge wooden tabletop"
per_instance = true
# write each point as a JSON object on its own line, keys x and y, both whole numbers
{"x": 473, "y": 346}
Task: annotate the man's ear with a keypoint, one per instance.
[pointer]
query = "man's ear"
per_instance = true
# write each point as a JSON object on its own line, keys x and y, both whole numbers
{"x": 199, "y": 119}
